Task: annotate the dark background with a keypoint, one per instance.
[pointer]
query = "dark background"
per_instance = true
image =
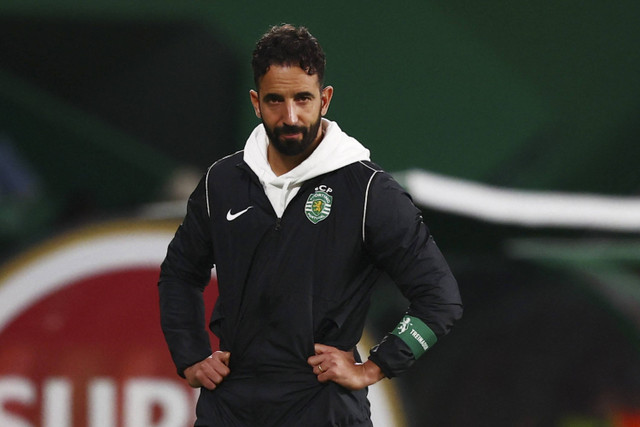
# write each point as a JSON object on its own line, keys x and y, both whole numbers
{"x": 108, "y": 109}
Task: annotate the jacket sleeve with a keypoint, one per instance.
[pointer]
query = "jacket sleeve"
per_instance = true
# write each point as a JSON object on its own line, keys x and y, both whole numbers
{"x": 185, "y": 272}
{"x": 401, "y": 244}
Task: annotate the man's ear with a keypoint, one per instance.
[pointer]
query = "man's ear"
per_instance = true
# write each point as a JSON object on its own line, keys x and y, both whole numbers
{"x": 255, "y": 101}
{"x": 326, "y": 95}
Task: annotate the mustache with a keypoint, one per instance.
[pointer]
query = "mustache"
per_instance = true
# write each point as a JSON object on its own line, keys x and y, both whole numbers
{"x": 287, "y": 130}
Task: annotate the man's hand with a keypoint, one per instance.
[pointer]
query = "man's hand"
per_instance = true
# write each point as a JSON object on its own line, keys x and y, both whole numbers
{"x": 210, "y": 372}
{"x": 332, "y": 364}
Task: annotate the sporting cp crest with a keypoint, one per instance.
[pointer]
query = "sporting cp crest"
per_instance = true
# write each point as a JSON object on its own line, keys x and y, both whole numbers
{"x": 318, "y": 205}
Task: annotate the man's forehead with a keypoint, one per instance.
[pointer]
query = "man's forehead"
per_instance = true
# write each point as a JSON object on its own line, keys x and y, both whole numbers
{"x": 288, "y": 78}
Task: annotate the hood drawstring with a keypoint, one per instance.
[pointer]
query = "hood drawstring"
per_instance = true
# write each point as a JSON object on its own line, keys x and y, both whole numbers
{"x": 283, "y": 196}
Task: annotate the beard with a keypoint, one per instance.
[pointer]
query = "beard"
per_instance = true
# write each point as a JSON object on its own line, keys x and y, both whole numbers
{"x": 290, "y": 147}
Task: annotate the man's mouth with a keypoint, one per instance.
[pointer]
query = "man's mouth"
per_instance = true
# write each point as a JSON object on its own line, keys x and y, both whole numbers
{"x": 291, "y": 134}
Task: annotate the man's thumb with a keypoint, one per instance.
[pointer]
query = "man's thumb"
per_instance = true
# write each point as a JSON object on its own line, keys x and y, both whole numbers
{"x": 224, "y": 357}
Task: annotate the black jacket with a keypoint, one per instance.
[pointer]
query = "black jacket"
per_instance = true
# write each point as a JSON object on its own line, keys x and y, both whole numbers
{"x": 287, "y": 283}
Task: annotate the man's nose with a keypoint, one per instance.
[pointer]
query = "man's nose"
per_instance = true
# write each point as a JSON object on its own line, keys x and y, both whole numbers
{"x": 291, "y": 114}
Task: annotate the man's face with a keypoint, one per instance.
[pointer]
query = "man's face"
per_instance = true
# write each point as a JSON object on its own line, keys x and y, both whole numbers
{"x": 291, "y": 105}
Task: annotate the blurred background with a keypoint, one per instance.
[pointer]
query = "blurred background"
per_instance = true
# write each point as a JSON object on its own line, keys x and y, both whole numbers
{"x": 515, "y": 125}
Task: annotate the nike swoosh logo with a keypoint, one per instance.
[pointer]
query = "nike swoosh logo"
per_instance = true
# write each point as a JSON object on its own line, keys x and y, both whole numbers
{"x": 231, "y": 217}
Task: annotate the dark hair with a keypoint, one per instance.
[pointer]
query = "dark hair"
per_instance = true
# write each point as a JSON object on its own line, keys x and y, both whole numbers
{"x": 288, "y": 45}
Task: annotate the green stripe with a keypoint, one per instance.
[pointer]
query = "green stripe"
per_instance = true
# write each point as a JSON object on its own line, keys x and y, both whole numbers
{"x": 416, "y": 334}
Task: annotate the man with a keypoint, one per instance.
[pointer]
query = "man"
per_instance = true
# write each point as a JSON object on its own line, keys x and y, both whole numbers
{"x": 299, "y": 225}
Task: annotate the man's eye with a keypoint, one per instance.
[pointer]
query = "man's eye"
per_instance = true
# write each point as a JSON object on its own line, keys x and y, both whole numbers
{"x": 272, "y": 99}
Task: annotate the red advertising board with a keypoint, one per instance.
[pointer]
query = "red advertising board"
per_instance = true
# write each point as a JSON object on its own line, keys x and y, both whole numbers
{"x": 80, "y": 338}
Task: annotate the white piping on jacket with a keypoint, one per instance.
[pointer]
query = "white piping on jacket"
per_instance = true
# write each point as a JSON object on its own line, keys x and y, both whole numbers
{"x": 366, "y": 199}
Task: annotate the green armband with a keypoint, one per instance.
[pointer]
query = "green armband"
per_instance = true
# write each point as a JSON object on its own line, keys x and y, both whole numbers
{"x": 416, "y": 334}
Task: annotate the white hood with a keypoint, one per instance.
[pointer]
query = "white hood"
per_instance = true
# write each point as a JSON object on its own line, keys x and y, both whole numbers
{"x": 337, "y": 149}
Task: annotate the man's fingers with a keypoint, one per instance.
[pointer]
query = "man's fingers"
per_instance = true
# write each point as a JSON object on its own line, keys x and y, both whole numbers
{"x": 315, "y": 360}
{"x": 207, "y": 376}
{"x": 223, "y": 356}
{"x": 220, "y": 362}
{"x": 210, "y": 377}
{"x": 321, "y": 348}
{"x": 332, "y": 364}
{"x": 321, "y": 351}
{"x": 203, "y": 380}
{"x": 209, "y": 372}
